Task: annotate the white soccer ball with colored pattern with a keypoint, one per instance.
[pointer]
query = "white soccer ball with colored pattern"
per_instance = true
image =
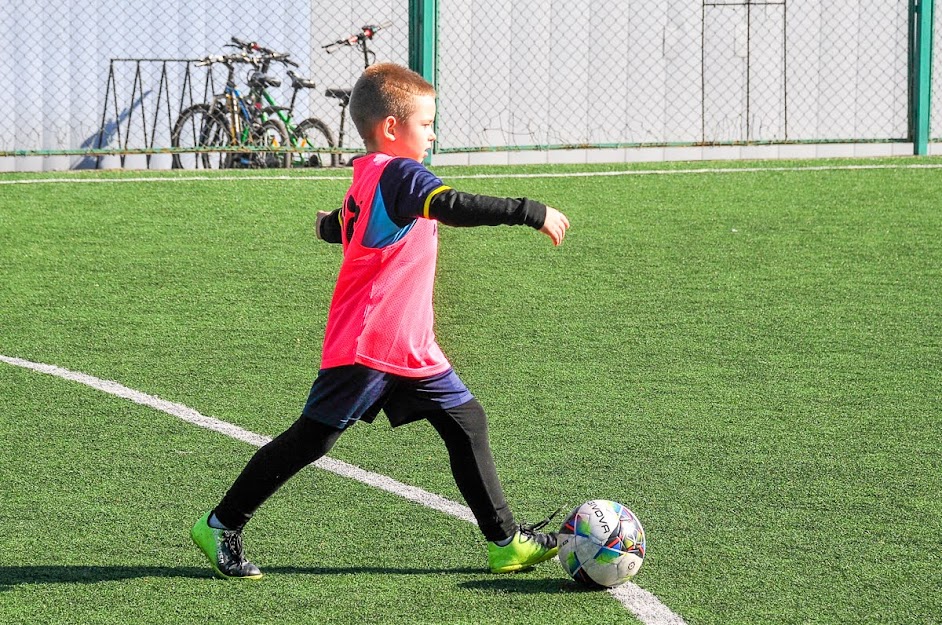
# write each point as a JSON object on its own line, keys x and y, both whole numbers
{"x": 601, "y": 543}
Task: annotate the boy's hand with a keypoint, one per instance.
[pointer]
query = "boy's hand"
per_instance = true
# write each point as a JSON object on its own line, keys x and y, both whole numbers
{"x": 327, "y": 226}
{"x": 321, "y": 215}
{"x": 555, "y": 225}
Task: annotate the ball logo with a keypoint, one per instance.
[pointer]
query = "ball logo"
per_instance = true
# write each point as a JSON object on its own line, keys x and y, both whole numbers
{"x": 600, "y": 515}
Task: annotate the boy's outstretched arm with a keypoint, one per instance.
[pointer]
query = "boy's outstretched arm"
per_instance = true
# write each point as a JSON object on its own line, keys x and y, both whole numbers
{"x": 455, "y": 208}
{"x": 409, "y": 191}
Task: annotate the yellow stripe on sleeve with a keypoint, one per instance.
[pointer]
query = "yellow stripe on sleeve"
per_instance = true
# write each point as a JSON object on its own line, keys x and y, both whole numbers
{"x": 428, "y": 199}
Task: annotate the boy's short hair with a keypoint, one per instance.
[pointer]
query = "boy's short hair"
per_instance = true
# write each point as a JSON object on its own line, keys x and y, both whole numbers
{"x": 384, "y": 90}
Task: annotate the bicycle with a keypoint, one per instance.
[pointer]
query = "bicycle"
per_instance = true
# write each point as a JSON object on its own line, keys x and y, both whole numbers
{"x": 230, "y": 121}
{"x": 361, "y": 41}
{"x": 306, "y": 134}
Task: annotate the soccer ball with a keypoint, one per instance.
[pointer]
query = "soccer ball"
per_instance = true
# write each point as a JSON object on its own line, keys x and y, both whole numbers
{"x": 601, "y": 543}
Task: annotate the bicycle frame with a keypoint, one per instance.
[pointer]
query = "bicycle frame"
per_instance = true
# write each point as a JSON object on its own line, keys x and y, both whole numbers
{"x": 286, "y": 118}
{"x": 238, "y": 124}
{"x": 237, "y": 112}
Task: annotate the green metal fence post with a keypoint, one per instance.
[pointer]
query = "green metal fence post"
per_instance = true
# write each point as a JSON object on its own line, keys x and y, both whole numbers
{"x": 920, "y": 73}
{"x": 423, "y": 41}
{"x": 423, "y": 37}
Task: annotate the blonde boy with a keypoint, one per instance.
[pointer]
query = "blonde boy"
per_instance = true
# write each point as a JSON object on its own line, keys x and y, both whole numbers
{"x": 380, "y": 351}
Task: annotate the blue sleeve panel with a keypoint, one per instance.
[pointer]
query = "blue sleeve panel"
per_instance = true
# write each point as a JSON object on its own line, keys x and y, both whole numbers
{"x": 381, "y": 231}
{"x": 404, "y": 186}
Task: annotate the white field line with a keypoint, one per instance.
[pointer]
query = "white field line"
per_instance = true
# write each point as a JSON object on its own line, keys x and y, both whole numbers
{"x": 78, "y": 180}
{"x": 576, "y": 174}
{"x": 643, "y": 604}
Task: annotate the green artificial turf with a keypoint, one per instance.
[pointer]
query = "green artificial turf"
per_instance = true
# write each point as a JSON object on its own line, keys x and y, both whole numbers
{"x": 751, "y": 361}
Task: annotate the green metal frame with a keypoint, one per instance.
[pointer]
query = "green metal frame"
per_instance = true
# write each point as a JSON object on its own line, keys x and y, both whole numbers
{"x": 423, "y": 38}
{"x": 920, "y": 73}
{"x": 423, "y": 44}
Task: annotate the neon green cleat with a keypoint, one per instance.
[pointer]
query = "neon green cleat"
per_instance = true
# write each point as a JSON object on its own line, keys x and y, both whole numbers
{"x": 527, "y": 548}
{"x": 223, "y": 549}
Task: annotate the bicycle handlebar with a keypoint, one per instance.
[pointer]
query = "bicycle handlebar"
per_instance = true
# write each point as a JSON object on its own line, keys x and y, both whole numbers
{"x": 253, "y": 47}
{"x": 366, "y": 33}
{"x": 228, "y": 59}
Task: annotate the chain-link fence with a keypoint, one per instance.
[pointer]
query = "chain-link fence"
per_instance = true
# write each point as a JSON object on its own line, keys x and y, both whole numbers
{"x": 106, "y": 76}
{"x": 115, "y": 76}
{"x": 686, "y": 71}
{"x": 935, "y": 115}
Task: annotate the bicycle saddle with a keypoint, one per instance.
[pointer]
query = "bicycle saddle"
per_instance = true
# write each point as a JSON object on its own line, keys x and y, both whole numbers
{"x": 259, "y": 80}
{"x": 300, "y": 83}
{"x": 341, "y": 94}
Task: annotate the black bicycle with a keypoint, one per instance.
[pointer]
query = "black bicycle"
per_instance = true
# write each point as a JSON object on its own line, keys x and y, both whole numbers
{"x": 360, "y": 41}
{"x": 229, "y": 122}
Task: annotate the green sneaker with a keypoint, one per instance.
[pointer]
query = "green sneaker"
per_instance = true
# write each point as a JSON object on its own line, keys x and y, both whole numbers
{"x": 527, "y": 548}
{"x": 223, "y": 548}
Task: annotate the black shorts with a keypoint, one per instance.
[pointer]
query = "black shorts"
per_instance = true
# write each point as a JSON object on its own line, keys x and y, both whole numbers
{"x": 341, "y": 396}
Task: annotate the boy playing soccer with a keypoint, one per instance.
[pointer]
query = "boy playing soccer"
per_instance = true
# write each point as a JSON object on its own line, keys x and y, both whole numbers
{"x": 379, "y": 349}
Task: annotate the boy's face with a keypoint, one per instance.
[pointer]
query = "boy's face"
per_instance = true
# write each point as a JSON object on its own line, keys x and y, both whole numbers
{"x": 413, "y": 136}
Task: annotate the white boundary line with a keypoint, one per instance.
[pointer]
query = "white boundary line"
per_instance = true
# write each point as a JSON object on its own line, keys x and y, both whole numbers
{"x": 78, "y": 180}
{"x": 574, "y": 174}
{"x": 643, "y": 604}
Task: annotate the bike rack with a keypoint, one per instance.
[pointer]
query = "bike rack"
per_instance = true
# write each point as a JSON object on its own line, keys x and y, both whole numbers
{"x": 137, "y": 106}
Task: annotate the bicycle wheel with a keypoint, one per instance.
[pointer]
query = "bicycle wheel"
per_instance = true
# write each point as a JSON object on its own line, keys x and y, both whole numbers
{"x": 313, "y": 133}
{"x": 186, "y": 133}
{"x": 270, "y": 133}
{"x": 199, "y": 127}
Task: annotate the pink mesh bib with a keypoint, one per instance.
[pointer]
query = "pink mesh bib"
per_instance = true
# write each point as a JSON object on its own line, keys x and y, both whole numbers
{"x": 381, "y": 312}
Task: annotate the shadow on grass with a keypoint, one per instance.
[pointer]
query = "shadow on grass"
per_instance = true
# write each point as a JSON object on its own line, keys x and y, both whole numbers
{"x": 11, "y": 576}
{"x": 515, "y": 584}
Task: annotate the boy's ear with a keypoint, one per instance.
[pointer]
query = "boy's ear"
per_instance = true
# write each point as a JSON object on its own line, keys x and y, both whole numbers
{"x": 388, "y": 128}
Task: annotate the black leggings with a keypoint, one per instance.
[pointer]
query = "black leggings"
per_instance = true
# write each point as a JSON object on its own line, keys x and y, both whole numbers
{"x": 462, "y": 428}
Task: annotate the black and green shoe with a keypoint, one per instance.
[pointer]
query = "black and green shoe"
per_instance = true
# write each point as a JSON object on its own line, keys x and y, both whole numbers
{"x": 223, "y": 549}
{"x": 527, "y": 548}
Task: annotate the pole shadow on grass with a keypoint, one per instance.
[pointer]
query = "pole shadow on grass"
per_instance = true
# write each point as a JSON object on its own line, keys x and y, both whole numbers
{"x": 11, "y": 576}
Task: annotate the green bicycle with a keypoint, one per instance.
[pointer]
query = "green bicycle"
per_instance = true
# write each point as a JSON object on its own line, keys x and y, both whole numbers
{"x": 311, "y": 136}
{"x": 230, "y": 122}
